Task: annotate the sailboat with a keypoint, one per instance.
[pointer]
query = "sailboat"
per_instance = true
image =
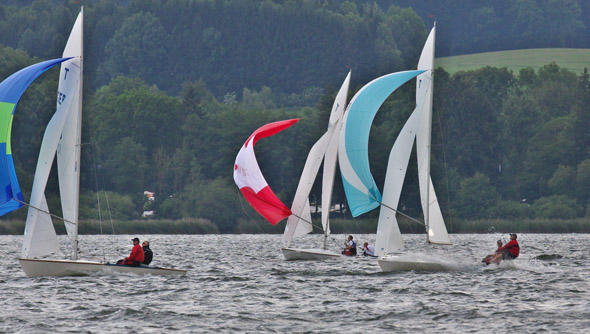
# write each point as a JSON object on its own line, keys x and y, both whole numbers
{"x": 326, "y": 149}
{"x": 418, "y": 126}
{"x": 62, "y": 137}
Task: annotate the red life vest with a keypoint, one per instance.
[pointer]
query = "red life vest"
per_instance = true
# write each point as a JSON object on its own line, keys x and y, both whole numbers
{"x": 136, "y": 254}
{"x": 513, "y": 247}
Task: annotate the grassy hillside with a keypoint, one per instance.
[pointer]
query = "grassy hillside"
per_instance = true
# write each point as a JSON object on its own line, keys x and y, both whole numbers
{"x": 573, "y": 59}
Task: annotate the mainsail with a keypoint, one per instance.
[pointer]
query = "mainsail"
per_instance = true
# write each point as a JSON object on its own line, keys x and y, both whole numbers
{"x": 62, "y": 135}
{"x": 11, "y": 89}
{"x": 68, "y": 150}
{"x": 326, "y": 149}
{"x": 435, "y": 225}
{"x": 417, "y": 126}
{"x": 249, "y": 178}
{"x": 353, "y": 155}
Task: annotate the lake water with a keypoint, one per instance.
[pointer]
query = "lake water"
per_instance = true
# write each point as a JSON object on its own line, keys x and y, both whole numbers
{"x": 239, "y": 283}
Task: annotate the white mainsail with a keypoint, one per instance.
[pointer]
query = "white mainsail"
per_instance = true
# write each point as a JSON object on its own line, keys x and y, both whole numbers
{"x": 417, "y": 126}
{"x": 435, "y": 225}
{"x": 324, "y": 149}
{"x": 40, "y": 238}
{"x": 331, "y": 157}
{"x": 68, "y": 151}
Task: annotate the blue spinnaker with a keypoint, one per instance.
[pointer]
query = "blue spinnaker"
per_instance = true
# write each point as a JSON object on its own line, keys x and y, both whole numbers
{"x": 362, "y": 193}
{"x": 11, "y": 89}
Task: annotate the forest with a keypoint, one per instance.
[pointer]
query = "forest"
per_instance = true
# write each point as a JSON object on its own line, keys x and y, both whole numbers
{"x": 173, "y": 89}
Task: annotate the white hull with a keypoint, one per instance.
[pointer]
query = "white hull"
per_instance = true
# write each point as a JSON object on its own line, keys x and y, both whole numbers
{"x": 308, "y": 254}
{"x": 413, "y": 262}
{"x": 37, "y": 267}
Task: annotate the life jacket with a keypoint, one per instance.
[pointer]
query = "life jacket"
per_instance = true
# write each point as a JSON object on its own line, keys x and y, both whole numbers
{"x": 147, "y": 255}
{"x": 136, "y": 254}
{"x": 513, "y": 247}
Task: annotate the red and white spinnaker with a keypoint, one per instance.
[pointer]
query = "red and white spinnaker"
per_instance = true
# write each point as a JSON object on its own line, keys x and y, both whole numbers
{"x": 250, "y": 180}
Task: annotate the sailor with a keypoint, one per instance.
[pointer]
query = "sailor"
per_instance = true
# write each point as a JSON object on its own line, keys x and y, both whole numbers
{"x": 509, "y": 251}
{"x": 489, "y": 258}
{"x": 369, "y": 250}
{"x": 136, "y": 257}
{"x": 147, "y": 252}
{"x": 349, "y": 247}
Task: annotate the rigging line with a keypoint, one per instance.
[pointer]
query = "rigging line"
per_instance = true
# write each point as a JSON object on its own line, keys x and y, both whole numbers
{"x": 109, "y": 210}
{"x": 401, "y": 213}
{"x": 92, "y": 145}
{"x": 44, "y": 211}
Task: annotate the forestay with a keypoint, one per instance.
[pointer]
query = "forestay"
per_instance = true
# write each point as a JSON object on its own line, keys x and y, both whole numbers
{"x": 353, "y": 155}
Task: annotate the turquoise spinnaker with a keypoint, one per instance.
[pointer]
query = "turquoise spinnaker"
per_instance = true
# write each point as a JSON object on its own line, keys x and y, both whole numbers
{"x": 11, "y": 89}
{"x": 361, "y": 191}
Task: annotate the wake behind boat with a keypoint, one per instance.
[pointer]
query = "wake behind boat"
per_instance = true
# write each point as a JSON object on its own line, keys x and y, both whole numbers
{"x": 416, "y": 262}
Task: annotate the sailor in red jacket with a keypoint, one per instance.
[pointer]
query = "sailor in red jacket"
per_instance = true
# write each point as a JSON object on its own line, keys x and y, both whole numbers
{"x": 509, "y": 251}
{"x": 136, "y": 257}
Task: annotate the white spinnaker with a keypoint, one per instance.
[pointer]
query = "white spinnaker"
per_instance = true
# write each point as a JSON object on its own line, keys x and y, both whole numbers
{"x": 40, "y": 238}
{"x": 68, "y": 152}
{"x": 331, "y": 157}
{"x": 437, "y": 232}
{"x": 295, "y": 228}
{"x": 389, "y": 237}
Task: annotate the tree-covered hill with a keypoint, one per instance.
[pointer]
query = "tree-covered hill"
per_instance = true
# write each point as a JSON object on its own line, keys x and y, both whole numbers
{"x": 290, "y": 46}
{"x": 173, "y": 88}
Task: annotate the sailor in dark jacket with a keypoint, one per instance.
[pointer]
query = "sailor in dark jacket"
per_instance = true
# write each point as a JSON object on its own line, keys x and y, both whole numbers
{"x": 147, "y": 253}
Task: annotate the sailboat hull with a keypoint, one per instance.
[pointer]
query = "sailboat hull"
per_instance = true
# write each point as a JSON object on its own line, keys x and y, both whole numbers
{"x": 400, "y": 263}
{"x": 38, "y": 267}
{"x": 292, "y": 254}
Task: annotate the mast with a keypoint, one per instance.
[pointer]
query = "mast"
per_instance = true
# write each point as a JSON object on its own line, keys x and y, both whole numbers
{"x": 79, "y": 136}
{"x": 429, "y": 138}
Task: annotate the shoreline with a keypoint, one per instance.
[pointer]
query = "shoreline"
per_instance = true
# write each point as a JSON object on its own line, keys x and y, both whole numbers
{"x": 337, "y": 226}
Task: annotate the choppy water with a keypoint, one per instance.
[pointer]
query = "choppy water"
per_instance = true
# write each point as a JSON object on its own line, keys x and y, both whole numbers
{"x": 240, "y": 283}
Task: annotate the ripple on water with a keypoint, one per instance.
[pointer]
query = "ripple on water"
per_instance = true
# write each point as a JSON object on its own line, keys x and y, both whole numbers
{"x": 260, "y": 292}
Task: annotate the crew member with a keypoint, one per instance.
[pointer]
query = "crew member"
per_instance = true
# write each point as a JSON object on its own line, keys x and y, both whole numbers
{"x": 490, "y": 257}
{"x": 509, "y": 251}
{"x": 369, "y": 250}
{"x": 147, "y": 252}
{"x": 349, "y": 247}
{"x": 136, "y": 257}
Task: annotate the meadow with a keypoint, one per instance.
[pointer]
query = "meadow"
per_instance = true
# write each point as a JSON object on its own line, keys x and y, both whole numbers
{"x": 574, "y": 60}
